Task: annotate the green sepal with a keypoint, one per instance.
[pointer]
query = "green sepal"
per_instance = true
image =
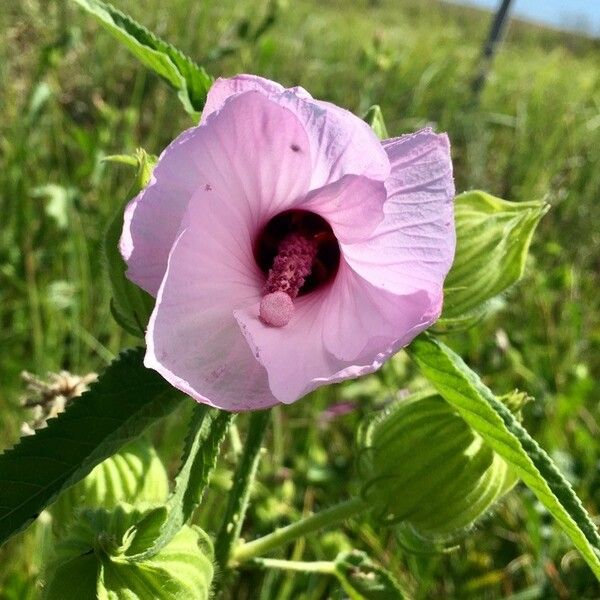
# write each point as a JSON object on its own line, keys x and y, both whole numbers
{"x": 492, "y": 242}
{"x": 422, "y": 464}
{"x": 96, "y": 546}
{"x": 130, "y": 305}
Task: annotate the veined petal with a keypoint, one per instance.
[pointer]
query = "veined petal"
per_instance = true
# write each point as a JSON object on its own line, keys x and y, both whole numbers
{"x": 365, "y": 324}
{"x": 343, "y": 331}
{"x": 340, "y": 142}
{"x": 224, "y": 87}
{"x": 353, "y": 206}
{"x": 193, "y": 340}
{"x": 294, "y": 356}
{"x": 413, "y": 248}
{"x": 254, "y": 153}
{"x": 153, "y": 217}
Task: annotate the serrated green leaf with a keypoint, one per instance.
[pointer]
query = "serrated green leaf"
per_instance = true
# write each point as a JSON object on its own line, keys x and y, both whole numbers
{"x": 190, "y": 80}
{"x": 362, "y": 579}
{"x": 125, "y": 400}
{"x": 207, "y": 430}
{"x": 489, "y": 417}
{"x": 374, "y": 117}
{"x": 130, "y": 305}
{"x": 492, "y": 242}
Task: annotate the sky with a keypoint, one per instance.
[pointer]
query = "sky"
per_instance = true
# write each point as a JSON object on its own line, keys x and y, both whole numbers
{"x": 564, "y": 14}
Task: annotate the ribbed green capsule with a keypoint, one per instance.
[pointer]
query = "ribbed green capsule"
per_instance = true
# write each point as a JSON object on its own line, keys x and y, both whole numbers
{"x": 93, "y": 561}
{"x": 421, "y": 464}
{"x": 134, "y": 475}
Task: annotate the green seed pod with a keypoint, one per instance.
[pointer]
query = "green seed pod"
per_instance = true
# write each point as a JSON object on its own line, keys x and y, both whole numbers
{"x": 92, "y": 561}
{"x": 134, "y": 474}
{"x": 421, "y": 464}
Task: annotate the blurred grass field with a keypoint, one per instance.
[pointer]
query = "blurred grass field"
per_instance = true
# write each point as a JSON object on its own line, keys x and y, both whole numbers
{"x": 70, "y": 97}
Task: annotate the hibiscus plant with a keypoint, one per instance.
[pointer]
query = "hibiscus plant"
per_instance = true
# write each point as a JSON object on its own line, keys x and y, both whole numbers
{"x": 279, "y": 245}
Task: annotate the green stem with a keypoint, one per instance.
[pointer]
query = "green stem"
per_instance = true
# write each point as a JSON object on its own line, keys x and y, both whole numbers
{"x": 282, "y": 536}
{"x": 326, "y": 567}
{"x": 240, "y": 492}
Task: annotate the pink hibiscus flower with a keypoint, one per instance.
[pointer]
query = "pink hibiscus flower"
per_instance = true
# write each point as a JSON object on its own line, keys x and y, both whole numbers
{"x": 287, "y": 247}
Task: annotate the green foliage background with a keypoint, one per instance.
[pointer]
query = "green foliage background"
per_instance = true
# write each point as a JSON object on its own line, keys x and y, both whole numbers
{"x": 70, "y": 96}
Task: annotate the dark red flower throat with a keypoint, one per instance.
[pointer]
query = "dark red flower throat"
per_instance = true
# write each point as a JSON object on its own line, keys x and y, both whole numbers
{"x": 298, "y": 253}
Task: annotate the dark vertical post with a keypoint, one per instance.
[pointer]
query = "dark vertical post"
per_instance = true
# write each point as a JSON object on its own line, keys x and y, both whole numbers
{"x": 494, "y": 37}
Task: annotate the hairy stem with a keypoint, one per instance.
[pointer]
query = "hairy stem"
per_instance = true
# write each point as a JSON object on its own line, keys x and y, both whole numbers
{"x": 240, "y": 492}
{"x": 283, "y": 536}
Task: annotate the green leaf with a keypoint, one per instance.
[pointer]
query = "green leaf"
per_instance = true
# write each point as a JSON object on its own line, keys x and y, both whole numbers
{"x": 207, "y": 430}
{"x": 493, "y": 420}
{"x": 118, "y": 407}
{"x": 374, "y": 117}
{"x": 135, "y": 474}
{"x": 189, "y": 79}
{"x": 131, "y": 306}
{"x": 94, "y": 546}
{"x": 493, "y": 238}
{"x": 362, "y": 579}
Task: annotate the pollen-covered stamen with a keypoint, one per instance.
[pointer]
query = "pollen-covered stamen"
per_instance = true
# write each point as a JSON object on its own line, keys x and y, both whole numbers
{"x": 291, "y": 267}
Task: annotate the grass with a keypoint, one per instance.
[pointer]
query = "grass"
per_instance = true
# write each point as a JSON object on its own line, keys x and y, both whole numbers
{"x": 71, "y": 97}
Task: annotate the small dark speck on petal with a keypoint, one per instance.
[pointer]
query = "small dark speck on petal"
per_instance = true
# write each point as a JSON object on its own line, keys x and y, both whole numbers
{"x": 208, "y": 187}
{"x": 295, "y": 147}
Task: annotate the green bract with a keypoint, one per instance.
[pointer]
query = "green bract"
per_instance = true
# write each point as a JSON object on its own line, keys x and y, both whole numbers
{"x": 422, "y": 464}
{"x": 134, "y": 475}
{"x": 92, "y": 561}
{"x": 492, "y": 242}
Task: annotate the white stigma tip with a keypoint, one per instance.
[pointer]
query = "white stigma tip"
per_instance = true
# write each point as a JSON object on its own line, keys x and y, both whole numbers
{"x": 276, "y": 309}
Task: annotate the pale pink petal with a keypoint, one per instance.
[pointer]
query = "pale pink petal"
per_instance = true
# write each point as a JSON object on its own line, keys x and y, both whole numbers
{"x": 223, "y": 88}
{"x": 413, "y": 248}
{"x": 294, "y": 356}
{"x": 153, "y": 217}
{"x": 341, "y": 143}
{"x": 353, "y": 206}
{"x": 362, "y": 322}
{"x": 253, "y": 152}
{"x": 342, "y": 331}
{"x": 193, "y": 340}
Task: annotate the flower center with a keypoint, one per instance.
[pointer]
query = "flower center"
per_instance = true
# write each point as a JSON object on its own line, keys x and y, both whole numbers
{"x": 298, "y": 253}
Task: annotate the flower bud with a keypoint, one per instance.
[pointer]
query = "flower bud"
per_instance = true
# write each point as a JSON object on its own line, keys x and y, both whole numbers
{"x": 92, "y": 561}
{"x": 135, "y": 475}
{"x": 423, "y": 465}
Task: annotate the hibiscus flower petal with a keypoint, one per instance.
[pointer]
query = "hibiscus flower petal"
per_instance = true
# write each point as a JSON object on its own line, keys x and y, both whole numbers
{"x": 224, "y": 87}
{"x": 193, "y": 340}
{"x": 366, "y": 324}
{"x": 345, "y": 330}
{"x": 294, "y": 356}
{"x": 144, "y": 245}
{"x": 254, "y": 152}
{"x": 413, "y": 248}
{"x": 353, "y": 206}
{"x": 341, "y": 143}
